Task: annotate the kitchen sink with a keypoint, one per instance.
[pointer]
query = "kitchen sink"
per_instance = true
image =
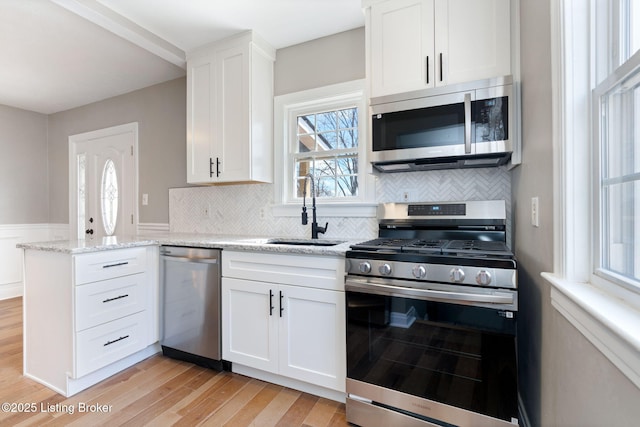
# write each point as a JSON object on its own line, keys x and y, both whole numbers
{"x": 304, "y": 242}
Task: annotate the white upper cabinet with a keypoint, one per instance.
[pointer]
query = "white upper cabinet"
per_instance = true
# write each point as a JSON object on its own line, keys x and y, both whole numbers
{"x": 418, "y": 44}
{"x": 230, "y": 111}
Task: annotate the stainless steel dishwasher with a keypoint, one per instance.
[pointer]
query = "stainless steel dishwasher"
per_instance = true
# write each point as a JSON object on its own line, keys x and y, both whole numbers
{"x": 190, "y": 305}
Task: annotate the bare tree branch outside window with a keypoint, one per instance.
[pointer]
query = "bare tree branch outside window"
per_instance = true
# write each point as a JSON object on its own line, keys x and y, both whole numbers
{"x": 328, "y": 150}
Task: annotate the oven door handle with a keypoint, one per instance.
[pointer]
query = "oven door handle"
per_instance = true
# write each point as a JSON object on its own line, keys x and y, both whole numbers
{"x": 427, "y": 294}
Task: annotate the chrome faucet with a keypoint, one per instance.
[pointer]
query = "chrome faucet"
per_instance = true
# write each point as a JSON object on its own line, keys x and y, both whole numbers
{"x": 314, "y": 224}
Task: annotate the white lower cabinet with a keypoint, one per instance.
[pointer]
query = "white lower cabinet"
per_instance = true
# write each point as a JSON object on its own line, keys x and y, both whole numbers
{"x": 312, "y": 336}
{"x": 88, "y": 316}
{"x": 291, "y": 324}
{"x": 250, "y": 329}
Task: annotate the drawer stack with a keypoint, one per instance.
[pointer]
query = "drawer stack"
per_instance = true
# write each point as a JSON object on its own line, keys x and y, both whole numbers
{"x": 110, "y": 303}
{"x": 88, "y": 315}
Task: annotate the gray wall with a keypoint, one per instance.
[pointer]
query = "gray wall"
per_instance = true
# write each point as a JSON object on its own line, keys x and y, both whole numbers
{"x": 565, "y": 380}
{"x": 328, "y": 60}
{"x": 23, "y": 167}
{"x": 160, "y": 111}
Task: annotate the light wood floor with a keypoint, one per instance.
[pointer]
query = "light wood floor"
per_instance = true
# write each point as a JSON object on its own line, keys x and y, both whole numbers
{"x": 158, "y": 392}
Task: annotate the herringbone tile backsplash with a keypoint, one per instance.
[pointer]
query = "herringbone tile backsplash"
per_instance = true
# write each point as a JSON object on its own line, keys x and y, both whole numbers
{"x": 246, "y": 209}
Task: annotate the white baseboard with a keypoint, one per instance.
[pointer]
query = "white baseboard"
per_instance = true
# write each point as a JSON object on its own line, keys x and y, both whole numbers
{"x": 316, "y": 390}
{"x": 11, "y": 290}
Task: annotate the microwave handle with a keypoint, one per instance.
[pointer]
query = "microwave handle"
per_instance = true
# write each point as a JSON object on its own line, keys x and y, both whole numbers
{"x": 467, "y": 123}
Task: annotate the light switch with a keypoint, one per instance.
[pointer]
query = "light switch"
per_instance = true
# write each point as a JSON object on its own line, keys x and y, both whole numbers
{"x": 535, "y": 214}
{"x": 145, "y": 199}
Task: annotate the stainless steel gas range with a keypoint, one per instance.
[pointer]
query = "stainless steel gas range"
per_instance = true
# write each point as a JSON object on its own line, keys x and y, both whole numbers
{"x": 431, "y": 318}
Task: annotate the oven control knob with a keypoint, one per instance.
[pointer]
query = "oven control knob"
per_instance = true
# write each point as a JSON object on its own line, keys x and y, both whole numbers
{"x": 456, "y": 275}
{"x": 483, "y": 277}
{"x": 385, "y": 269}
{"x": 419, "y": 271}
{"x": 364, "y": 267}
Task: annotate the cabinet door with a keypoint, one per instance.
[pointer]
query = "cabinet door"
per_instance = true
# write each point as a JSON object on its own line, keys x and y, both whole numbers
{"x": 232, "y": 127}
{"x": 473, "y": 38}
{"x": 401, "y": 46}
{"x": 249, "y": 324}
{"x": 312, "y": 336}
{"x": 200, "y": 118}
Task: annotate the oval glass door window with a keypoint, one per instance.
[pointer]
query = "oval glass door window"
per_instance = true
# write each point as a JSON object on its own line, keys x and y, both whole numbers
{"x": 109, "y": 197}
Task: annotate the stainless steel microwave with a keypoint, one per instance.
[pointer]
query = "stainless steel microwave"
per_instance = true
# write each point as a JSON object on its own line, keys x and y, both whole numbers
{"x": 458, "y": 126}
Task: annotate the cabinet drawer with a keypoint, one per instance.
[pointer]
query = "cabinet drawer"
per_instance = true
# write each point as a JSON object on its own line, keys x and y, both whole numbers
{"x": 312, "y": 271}
{"x": 108, "y": 300}
{"x": 109, "y": 264}
{"x": 102, "y": 345}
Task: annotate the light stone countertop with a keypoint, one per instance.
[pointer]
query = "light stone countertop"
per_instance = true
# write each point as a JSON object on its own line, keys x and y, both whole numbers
{"x": 229, "y": 242}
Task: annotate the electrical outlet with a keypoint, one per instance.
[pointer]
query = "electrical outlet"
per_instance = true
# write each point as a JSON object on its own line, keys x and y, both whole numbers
{"x": 407, "y": 195}
{"x": 145, "y": 199}
{"x": 261, "y": 213}
{"x": 535, "y": 212}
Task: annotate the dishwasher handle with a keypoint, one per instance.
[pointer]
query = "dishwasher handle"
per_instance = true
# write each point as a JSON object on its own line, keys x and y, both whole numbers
{"x": 191, "y": 259}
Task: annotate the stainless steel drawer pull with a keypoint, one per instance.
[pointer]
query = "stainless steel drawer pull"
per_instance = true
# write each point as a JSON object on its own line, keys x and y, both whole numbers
{"x": 115, "y": 341}
{"x": 117, "y": 264}
{"x": 115, "y": 298}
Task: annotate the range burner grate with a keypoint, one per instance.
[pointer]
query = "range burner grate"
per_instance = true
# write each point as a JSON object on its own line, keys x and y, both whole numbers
{"x": 424, "y": 246}
{"x": 476, "y": 247}
{"x": 383, "y": 244}
{"x": 473, "y": 248}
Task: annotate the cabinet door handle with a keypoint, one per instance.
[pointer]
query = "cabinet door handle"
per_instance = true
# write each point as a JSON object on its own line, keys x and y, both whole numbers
{"x": 217, "y": 167}
{"x": 427, "y": 65}
{"x": 210, "y": 167}
{"x": 115, "y": 298}
{"x": 270, "y": 302}
{"x": 116, "y": 340}
{"x": 441, "y": 74}
{"x": 281, "y": 307}
{"x": 117, "y": 264}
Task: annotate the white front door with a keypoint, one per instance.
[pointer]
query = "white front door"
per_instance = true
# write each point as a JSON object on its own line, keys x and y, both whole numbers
{"x": 102, "y": 182}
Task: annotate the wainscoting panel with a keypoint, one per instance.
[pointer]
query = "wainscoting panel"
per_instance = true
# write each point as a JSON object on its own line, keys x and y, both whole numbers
{"x": 147, "y": 228}
{"x": 11, "y": 266}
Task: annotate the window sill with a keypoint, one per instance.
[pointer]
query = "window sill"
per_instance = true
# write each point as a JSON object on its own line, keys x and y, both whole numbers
{"x": 606, "y": 321}
{"x": 341, "y": 210}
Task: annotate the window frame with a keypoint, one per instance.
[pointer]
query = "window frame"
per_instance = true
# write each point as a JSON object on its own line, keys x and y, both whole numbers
{"x": 601, "y": 275}
{"x": 606, "y": 313}
{"x": 287, "y": 108}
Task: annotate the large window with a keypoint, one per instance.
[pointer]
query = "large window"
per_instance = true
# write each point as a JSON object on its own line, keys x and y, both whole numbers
{"x": 617, "y": 151}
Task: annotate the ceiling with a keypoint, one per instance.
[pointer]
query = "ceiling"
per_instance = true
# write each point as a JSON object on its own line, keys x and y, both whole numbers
{"x": 61, "y": 54}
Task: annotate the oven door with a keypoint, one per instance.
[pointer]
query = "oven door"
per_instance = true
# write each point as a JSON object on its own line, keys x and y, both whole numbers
{"x": 436, "y": 355}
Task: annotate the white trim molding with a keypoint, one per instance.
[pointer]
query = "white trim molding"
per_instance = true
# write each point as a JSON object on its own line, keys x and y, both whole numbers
{"x": 286, "y": 107}
{"x": 607, "y": 322}
{"x": 153, "y": 228}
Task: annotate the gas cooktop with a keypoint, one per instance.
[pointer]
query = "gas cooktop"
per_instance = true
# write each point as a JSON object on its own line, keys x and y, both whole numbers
{"x": 436, "y": 246}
